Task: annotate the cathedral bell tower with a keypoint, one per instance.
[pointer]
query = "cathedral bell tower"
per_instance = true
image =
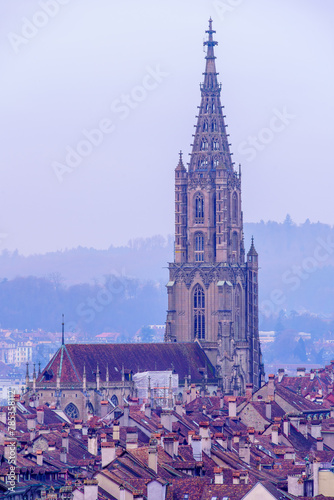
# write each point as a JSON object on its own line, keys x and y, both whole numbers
{"x": 212, "y": 290}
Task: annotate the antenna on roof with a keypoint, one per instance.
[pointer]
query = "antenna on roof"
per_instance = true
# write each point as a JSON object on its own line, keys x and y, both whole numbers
{"x": 62, "y": 331}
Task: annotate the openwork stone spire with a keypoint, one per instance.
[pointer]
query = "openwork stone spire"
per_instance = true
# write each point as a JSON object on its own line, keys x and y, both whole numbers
{"x": 210, "y": 149}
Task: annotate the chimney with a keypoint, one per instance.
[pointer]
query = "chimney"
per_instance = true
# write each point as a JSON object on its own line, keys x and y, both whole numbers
{"x": 268, "y": 410}
{"x": 221, "y": 399}
{"x": 3, "y": 417}
{"x": 103, "y": 438}
{"x": 274, "y": 434}
{"x": 244, "y": 478}
{"x": 153, "y": 455}
{"x": 286, "y": 425}
{"x": 280, "y": 374}
{"x": 32, "y": 434}
{"x": 206, "y": 438}
{"x": 249, "y": 391}
{"x": 39, "y": 457}
{"x": 64, "y": 440}
{"x": 90, "y": 489}
{"x": 251, "y": 434}
{"x": 148, "y": 411}
{"x": 218, "y": 473}
{"x": 301, "y": 372}
{"x": 232, "y": 406}
{"x": 63, "y": 455}
{"x": 104, "y": 408}
{"x": 131, "y": 438}
{"x": 303, "y": 427}
{"x": 190, "y": 436}
{"x": 271, "y": 386}
{"x": 166, "y": 420}
{"x": 312, "y": 373}
{"x": 169, "y": 444}
{"x": 295, "y": 419}
{"x": 138, "y": 495}
{"x": 176, "y": 446}
{"x": 179, "y": 408}
{"x": 10, "y": 450}
{"x": 121, "y": 492}
{"x": 320, "y": 444}
{"x": 40, "y": 415}
{"x": 185, "y": 390}
{"x": 192, "y": 392}
{"x": 92, "y": 442}
{"x": 221, "y": 440}
{"x": 115, "y": 431}
{"x": 236, "y": 477}
{"x": 108, "y": 452}
{"x": 236, "y": 437}
{"x": 316, "y": 428}
{"x": 126, "y": 415}
{"x": 196, "y": 444}
{"x": 244, "y": 450}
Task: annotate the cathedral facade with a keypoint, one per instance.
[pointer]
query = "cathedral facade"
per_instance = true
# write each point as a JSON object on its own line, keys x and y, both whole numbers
{"x": 213, "y": 285}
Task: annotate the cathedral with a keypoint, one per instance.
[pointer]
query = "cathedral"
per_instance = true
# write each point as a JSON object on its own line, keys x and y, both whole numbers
{"x": 213, "y": 285}
{"x": 211, "y": 338}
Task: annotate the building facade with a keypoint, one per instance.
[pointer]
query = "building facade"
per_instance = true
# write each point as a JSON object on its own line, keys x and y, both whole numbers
{"x": 213, "y": 285}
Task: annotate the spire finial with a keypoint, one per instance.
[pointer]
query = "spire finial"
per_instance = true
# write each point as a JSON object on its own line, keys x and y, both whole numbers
{"x": 210, "y": 24}
{"x": 62, "y": 331}
{"x": 181, "y": 154}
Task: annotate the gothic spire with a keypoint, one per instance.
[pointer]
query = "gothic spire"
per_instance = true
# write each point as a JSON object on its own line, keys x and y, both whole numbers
{"x": 180, "y": 165}
{"x": 210, "y": 149}
{"x": 252, "y": 250}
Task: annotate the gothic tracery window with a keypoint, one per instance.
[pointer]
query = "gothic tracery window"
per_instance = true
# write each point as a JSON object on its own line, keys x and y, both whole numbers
{"x": 215, "y": 144}
{"x": 114, "y": 400}
{"x": 199, "y": 208}
{"x": 204, "y": 145}
{"x": 199, "y": 312}
{"x": 235, "y": 207}
{"x": 199, "y": 247}
{"x": 205, "y": 126}
{"x": 71, "y": 411}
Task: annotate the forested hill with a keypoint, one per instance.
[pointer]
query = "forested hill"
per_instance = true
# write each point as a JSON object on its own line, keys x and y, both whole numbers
{"x": 297, "y": 273}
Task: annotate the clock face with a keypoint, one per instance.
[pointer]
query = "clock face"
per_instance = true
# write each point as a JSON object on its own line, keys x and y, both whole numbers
{"x": 71, "y": 411}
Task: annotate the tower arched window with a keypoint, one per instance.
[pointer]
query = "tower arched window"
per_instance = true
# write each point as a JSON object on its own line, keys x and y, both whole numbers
{"x": 199, "y": 208}
{"x": 199, "y": 312}
{"x": 214, "y": 126}
{"x": 215, "y": 144}
{"x": 235, "y": 207}
{"x": 199, "y": 247}
{"x": 205, "y": 126}
{"x": 215, "y": 162}
{"x": 234, "y": 242}
{"x": 204, "y": 163}
{"x": 204, "y": 145}
{"x": 213, "y": 107}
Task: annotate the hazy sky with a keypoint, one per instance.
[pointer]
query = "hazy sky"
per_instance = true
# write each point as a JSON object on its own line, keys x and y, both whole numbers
{"x": 132, "y": 69}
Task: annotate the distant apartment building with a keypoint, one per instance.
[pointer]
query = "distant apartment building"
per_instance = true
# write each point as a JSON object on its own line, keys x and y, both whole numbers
{"x": 16, "y": 353}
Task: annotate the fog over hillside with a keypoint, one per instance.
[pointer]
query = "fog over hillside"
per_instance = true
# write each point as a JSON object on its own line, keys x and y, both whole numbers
{"x": 123, "y": 288}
